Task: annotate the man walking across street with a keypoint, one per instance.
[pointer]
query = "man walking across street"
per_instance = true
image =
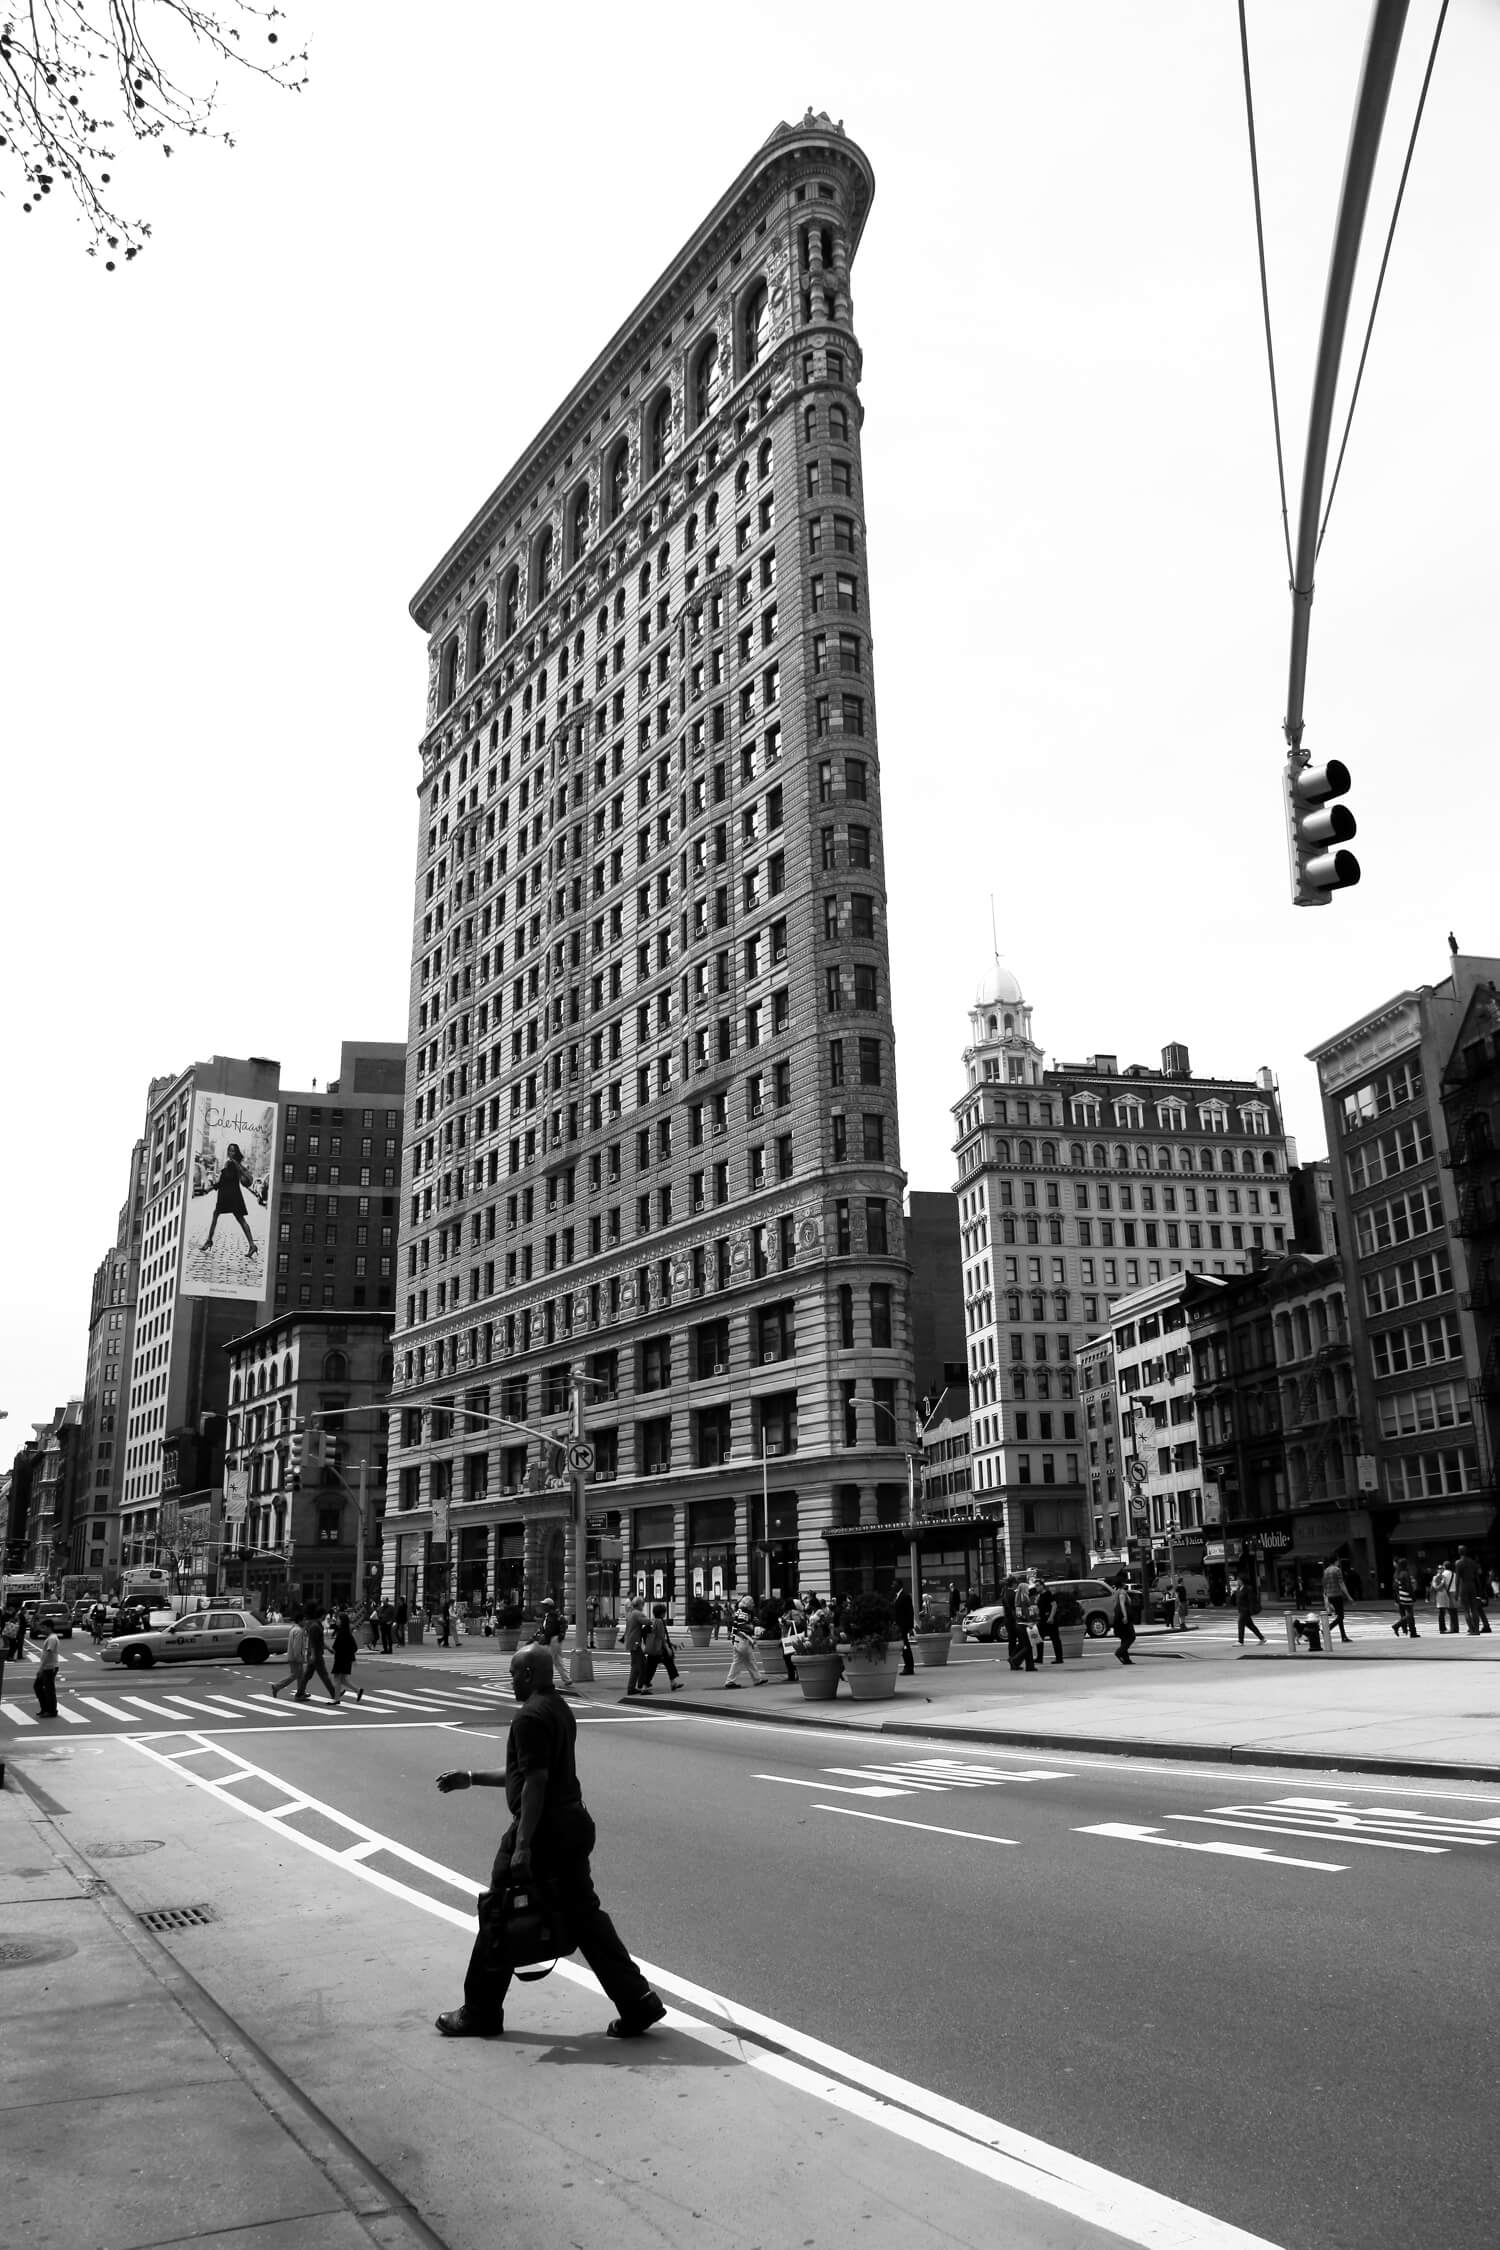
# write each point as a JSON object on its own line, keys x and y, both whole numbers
{"x": 551, "y": 1631}
{"x": 1335, "y": 1597}
{"x": 296, "y": 1657}
{"x": 550, "y": 1838}
{"x": 313, "y": 1661}
{"x": 1405, "y": 1590}
{"x": 1017, "y": 1639}
{"x": 45, "y": 1682}
{"x": 1244, "y": 1608}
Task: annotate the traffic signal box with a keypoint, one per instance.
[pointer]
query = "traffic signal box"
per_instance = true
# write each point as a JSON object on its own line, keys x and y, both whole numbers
{"x": 1317, "y": 828}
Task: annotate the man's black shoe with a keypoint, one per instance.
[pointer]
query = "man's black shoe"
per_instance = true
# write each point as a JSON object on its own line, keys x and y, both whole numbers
{"x": 636, "y": 2026}
{"x": 459, "y": 2024}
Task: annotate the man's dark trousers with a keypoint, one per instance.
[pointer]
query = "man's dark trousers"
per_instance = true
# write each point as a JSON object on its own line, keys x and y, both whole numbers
{"x": 560, "y": 1855}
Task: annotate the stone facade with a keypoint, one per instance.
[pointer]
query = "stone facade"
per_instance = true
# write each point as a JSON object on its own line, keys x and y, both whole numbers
{"x": 651, "y": 1097}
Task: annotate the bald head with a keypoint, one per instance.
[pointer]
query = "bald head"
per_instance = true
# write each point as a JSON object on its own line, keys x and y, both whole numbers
{"x": 531, "y": 1671}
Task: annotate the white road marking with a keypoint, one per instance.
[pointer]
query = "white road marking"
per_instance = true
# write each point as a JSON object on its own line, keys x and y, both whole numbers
{"x": 71, "y": 1718}
{"x": 927, "y": 1827}
{"x": 1455, "y": 1829}
{"x": 790, "y": 1781}
{"x": 110, "y": 1710}
{"x": 1087, "y": 2192}
{"x": 18, "y": 1717}
{"x": 1340, "y": 1836}
{"x": 158, "y": 1710}
{"x": 1127, "y": 1832}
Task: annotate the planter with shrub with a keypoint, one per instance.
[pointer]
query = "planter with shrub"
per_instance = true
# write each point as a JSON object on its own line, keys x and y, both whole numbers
{"x": 700, "y": 1620}
{"x": 932, "y": 1635}
{"x": 872, "y": 1654}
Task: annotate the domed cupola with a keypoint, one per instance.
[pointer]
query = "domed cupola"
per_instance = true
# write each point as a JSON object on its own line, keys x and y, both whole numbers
{"x": 1000, "y": 1043}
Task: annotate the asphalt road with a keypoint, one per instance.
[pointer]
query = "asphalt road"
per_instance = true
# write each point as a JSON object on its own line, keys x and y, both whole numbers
{"x": 1269, "y": 1997}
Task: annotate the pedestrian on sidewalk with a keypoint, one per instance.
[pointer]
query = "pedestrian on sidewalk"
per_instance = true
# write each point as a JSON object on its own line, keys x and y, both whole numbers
{"x": 1444, "y": 1597}
{"x": 1335, "y": 1597}
{"x": 659, "y": 1649}
{"x": 1405, "y": 1590}
{"x": 1123, "y": 1622}
{"x": 387, "y": 1621}
{"x": 742, "y": 1655}
{"x": 45, "y": 1680}
{"x": 314, "y": 1663}
{"x": 1466, "y": 1589}
{"x": 903, "y": 1617}
{"x": 1482, "y": 1593}
{"x": 296, "y": 1657}
{"x": 1246, "y": 1599}
{"x": 403, "y": 1618}
{"x": 1180, "y": 1606}
{"x": 344, "y": 1653}
{"x": 445, "y": 1624}
{"x": 551, "y": 1632}
{"x": 1044, "y": 1608}
{"x": 635, "y": 1646}
{"x": 549, "y": 1839}
{"x": 955, "y": 1601}
{"x": 793, "y": 1635}
{"x": 1017, "y": 1639}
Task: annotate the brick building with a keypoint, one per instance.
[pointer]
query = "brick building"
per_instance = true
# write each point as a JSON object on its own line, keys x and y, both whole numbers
{"x": 651, "y": 1094}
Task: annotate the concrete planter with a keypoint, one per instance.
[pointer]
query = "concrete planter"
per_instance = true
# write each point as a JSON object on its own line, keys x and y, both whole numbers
{"x": 871, "y": 1678}
{"x": 605, "y": 1636}
{"x": 931, "y": 1648}
{"x": 507, "y": 1639}
{"x": 1072, "y": 1638}
{"x": 818, "y": 1674}
{"x": 700, "y": 1635}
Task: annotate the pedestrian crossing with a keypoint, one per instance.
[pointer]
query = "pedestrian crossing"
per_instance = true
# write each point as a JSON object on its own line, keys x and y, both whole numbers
{"x": 150, "y": 1702}
{"x": 912, "y": 1777}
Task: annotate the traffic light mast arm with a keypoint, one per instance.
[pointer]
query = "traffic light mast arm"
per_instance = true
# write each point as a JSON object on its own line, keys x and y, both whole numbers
{"x": 1383, "y": 46}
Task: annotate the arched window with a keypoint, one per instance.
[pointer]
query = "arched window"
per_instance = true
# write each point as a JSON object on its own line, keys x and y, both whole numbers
{"x": 1143, "y": 1159}
{"x": 335, "y": 1368}
{"x": 510, "y": 606}
{"x": 765, "y": 459}
{"x": 479, "y": 625}
{"x": 1025, "y": 1153}
{"x": 286, "y": 1370}
{"x": 707, "y": 382}
{"x": 755, "y": 327}
{"x": 1122, "y": 1157}
{"x": 1268, "y": 1160}
{"x": 448, "y": 672}
{"x": 1049, "y": 1152}
{"x": 617, "y": 482}
{"x": 541, "y": 566}
{"x": 643, "y": 583}
{"x": 1097, "y": 1157}
{"x": 1247, "y": 1160}
{"x": 1205, "y": 1159}
{"x": 234, "y": 1391}
{"x": 659, "y": 435}
{"x": 578, "y": 533}
{"x": 838, "y": 424}
{"x": 1226, "y": 1160}
{"x": 742, "y": 480}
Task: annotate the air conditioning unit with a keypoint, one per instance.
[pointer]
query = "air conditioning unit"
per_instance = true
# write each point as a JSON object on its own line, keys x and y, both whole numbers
{"x": 720, "y": 1129}
{"x": 767, "y": 1357}
{"x": 720, "y": 1367}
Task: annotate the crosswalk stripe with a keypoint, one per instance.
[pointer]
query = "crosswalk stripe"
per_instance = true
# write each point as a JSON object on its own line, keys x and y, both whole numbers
{"x": 110, "y": 1710}
{"x": 16, "y": 1716}
{"x": 189, "y": 1704}
{"x": 72, "y": 1718}
{"x": 157, "y": 1710}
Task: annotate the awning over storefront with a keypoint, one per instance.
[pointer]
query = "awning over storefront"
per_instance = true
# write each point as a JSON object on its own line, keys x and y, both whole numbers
{"x": 1424, "y": 1527}
{"x": 914, "y": 1527}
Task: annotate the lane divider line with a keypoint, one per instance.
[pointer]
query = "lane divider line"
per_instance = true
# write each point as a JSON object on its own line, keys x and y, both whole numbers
{"x": 1134, "y": 2213}
{"x": 927, "y": 1828}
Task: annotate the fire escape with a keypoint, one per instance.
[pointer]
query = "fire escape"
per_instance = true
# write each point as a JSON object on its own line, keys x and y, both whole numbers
{"x": 1470, "y": 1088}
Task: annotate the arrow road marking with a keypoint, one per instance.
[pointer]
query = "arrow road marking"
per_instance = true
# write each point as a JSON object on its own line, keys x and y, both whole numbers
{"x": 1125, "y": 1832}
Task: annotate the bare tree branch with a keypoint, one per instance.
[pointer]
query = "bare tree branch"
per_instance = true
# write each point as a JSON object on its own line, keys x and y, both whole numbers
{"x": 77, "y": 75}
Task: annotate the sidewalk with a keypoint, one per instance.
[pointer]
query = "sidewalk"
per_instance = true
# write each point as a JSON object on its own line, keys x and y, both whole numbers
{"x": 1380, "y": 1706}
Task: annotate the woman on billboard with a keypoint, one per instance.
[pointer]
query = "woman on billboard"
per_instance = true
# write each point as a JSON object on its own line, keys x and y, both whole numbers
{"x": 229, "y": 1200}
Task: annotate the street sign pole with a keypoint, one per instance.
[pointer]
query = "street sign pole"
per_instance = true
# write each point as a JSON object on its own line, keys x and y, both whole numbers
{"x": 579, "y": 1461}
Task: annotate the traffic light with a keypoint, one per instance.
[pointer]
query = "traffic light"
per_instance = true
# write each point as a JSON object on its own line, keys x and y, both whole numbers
{"x": 294, "y": 1458}
{"x": 318, "y": 1442}
{"x": 1315, "y": 829}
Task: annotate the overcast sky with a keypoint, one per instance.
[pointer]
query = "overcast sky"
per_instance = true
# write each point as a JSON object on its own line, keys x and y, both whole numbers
{"x": 229, "y": 467}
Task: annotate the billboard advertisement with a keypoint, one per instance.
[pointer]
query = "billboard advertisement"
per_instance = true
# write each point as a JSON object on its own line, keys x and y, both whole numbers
{"x": 226, "y": 1244}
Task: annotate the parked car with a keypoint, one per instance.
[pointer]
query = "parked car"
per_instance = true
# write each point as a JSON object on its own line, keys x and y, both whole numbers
{"x": 207, "y": 1636}
{"x": 1094, "y": 1598}
{"x": 47, "y": 1617}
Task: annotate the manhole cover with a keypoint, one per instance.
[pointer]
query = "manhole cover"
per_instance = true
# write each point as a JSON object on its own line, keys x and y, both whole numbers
{"x": 25, "y": 1953}
{"x": 164, "y": 1918}
{"x": 130, "y": 1849}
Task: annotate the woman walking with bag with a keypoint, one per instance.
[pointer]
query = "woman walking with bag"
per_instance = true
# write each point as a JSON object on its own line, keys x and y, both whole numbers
{"x": 1124, "y": 1623}
{"x": 742, "y": 1656}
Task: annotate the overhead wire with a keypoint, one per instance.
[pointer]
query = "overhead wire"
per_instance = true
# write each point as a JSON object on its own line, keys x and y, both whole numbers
{"x": 1380, "y": 279}
{"x": 1265, "y": 296}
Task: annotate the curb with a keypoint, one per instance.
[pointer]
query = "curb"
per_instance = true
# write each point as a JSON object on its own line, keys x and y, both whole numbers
{"x": 1115, "y": 1746}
